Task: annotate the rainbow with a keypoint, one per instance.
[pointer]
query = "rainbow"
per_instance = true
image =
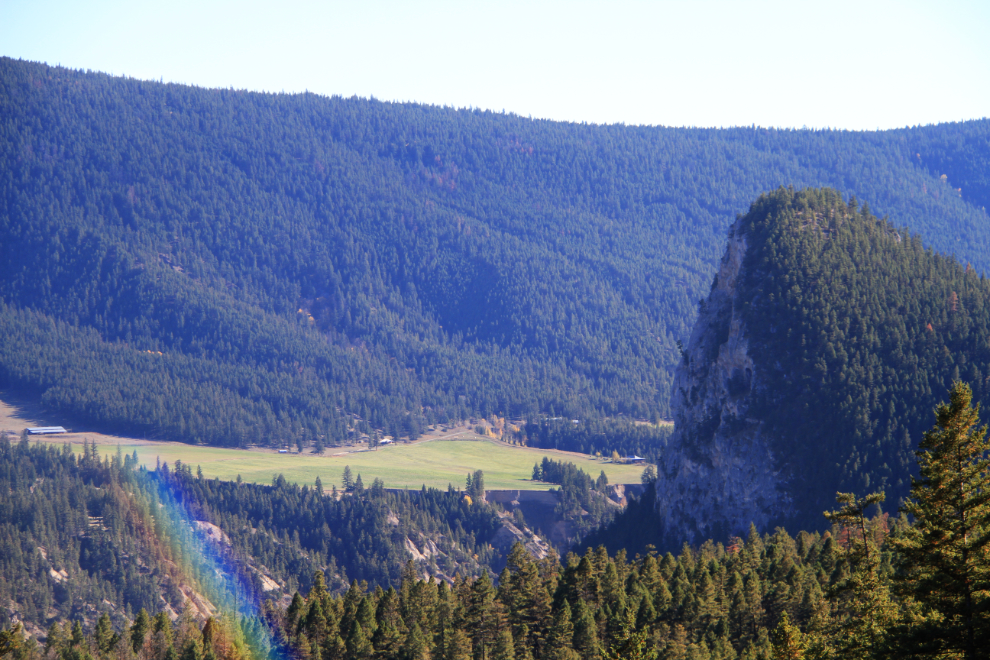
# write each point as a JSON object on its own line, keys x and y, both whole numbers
{"x": 210, "y": 566}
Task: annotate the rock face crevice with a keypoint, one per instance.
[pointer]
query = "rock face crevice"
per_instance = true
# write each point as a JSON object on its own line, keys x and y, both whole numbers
{"x": 717, "y": 474}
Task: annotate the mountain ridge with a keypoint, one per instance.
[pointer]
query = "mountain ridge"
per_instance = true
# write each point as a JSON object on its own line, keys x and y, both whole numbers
{"x": 326, "y": 264}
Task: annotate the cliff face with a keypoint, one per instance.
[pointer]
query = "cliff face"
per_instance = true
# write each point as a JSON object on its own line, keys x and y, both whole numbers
{"x": 717, "y": 474}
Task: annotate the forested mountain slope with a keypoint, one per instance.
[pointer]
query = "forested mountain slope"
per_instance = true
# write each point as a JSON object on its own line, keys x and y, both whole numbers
{"x": 297, "y": 261}
{"x": 812, "y": 367}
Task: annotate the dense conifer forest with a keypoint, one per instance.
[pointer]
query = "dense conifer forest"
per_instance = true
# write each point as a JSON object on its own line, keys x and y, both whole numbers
{"x": 874, "y": 586}
{"x": 854, "y": 327}
{"x": 310, "y": 265}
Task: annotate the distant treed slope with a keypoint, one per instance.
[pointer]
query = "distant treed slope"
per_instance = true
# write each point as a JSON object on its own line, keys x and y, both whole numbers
{"x": 960, "y": 155}
{"x": 356, "y": 257}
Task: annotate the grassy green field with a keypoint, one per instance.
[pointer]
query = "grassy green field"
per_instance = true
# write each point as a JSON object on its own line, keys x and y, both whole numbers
{"x": 435, "y": 463}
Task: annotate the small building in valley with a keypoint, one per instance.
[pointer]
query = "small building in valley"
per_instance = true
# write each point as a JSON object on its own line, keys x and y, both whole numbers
{"x": 45, "y": 430}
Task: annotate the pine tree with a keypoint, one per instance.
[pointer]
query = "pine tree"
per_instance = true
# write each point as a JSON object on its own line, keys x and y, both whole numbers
{"x": 561, "y": 638}
{"x": 142, "y": 624}
{"x": 415, "y": 646}
{"x": 525, "y": 598}
{"x": 504, "y": 646}
{"x": 366, "y": 616}
{"x": 295, "y": 612}
{"x": 103, "y": 634}
{"x": 482, "y": 614}
{"x": 358, "y": 646}
{"x": 634, "y": 648}
{"x": 786, "y": 640}
{"x": 945, "y": 567}
{"x": 458, "y": 646}
{"x": 162, "y": 634}
{"x": 10, "y": 639}
{"x": 867, "y": 610}
{"x": 78, "y": 638}
{"x": 390, "y": 631}
{"x": 304, "y": 648}
{"x": 336, "y": 648}
{"x": 585, "y": 632}
{"x": 316, "y": 621}
{"x": 192, "y": 651}
{"x": 754, "y": 602}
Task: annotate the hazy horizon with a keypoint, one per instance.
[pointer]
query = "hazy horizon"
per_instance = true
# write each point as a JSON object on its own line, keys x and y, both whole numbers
{"x": 709, "y": 64}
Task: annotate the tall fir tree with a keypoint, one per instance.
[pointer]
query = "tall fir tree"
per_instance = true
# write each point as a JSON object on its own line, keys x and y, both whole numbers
{"x": 786, "y": 640}
{"x": 944, "y": 567}
{"x": 866, "y": 609}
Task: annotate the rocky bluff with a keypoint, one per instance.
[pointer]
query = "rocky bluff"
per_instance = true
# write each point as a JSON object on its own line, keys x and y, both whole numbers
{"x": 828, "y": 337}
{"x": 718, "y": 472}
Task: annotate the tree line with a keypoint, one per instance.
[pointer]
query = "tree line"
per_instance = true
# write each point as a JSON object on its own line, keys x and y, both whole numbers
{"x": 582, "y": 501}
{"x": 875, "y": 586}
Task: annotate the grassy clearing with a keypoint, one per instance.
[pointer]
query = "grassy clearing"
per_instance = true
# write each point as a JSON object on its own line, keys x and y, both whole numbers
{"x": 445, "y": 458}
{"x": 434, "y": 463}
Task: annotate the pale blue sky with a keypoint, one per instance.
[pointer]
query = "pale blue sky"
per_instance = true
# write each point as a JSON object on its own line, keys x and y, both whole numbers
{"x": 857, "y": 65}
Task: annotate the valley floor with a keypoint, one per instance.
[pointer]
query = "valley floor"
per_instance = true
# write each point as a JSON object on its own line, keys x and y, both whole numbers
{"x": 439, "y": 458}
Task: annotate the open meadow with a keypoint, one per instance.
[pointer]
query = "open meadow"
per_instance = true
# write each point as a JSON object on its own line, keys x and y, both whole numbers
{"x": 437, "y": 460}
{"x": 435, "y": 463}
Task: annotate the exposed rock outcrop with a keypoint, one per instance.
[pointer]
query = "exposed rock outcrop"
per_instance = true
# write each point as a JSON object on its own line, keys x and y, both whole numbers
{"x": 510, "y": 534}
{"x": 717, "y": 474}
{"x": 619, "y": 493}
{"x": 212, "y": 532}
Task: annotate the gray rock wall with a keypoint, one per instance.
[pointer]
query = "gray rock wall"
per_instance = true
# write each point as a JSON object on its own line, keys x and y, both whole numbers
{"x": 717, "y": 474}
